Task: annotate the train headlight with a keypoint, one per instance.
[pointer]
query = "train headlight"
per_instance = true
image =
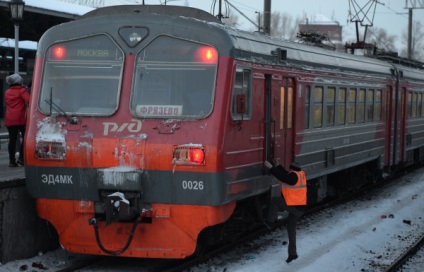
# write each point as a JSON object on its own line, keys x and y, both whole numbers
{"x": 50, "y": 150}
{"x": 189, "y": 154}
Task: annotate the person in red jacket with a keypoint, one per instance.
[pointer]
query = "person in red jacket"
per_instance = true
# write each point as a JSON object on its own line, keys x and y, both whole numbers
{"x": 17, "y": 100}
{"x": 294, "y": 200}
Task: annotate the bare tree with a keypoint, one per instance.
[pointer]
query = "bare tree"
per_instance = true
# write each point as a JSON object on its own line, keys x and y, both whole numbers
{"x": 382, "y": 39}
{"x": 417, "y": 43}
{"x": 232, "y": 19}
{"x": 284, "y": 25}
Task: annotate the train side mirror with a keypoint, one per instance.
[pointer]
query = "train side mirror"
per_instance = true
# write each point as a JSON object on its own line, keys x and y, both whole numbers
{"x": 241, "y": 104}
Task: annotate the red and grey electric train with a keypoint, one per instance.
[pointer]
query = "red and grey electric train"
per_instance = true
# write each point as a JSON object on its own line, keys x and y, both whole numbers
{"x": 149, "y": 126}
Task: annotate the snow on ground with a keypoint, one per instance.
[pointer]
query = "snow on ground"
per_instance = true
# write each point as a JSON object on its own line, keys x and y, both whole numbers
{"x": 354, "y": 237}
{"x": 363, "y": 235}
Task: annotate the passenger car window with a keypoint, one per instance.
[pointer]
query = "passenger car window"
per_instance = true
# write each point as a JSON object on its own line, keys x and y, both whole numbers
{"x": 331, "y": 96}
{"x": 352, "y": 106}
{"x": 341, "y": 117}
{"x": 318, "y": 100}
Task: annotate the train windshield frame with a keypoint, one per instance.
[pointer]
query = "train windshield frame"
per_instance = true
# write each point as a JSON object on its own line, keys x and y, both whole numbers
{"x": 174, "y": 78}
{"x": 82, "y": 77}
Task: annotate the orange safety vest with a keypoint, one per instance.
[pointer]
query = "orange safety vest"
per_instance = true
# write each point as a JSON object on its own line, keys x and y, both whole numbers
{"x": 295, "y": 194}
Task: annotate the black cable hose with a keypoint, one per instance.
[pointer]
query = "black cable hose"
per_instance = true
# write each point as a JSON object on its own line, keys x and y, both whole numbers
{"x": 93, "y": 222}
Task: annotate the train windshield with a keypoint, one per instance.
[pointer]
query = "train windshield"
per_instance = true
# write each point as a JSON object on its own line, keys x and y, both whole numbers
{"x": 174, "y": 78}
{"x": 82, "y": 77}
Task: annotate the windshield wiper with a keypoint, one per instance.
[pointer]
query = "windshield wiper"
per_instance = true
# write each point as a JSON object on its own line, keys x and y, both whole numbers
{"x": 72, "y": 120}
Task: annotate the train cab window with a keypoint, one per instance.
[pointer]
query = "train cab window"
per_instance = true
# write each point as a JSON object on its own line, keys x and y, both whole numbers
{"x": 243, "y": 89}
{"x": 307, "y": 105}
{"x": 318, "y": 100}
{"x": 370, "y": 105}
{"x": 361, "y": 106}
{"x": 331, "y": 96}
{"x": 341, "y": 107}
{"x": 82, "y": 77}
{"x": 174, "y": 78}
{"x": 352, "y": 106}
{"x": 378, "y": 101}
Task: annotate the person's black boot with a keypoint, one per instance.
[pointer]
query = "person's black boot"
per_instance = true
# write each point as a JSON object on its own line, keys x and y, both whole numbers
{"x": 291, "y": 258}
{"x": 13, "y": 164}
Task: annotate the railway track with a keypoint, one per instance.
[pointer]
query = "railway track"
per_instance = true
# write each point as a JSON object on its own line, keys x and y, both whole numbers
{"x": 402, "y": 262}
{"x": 149, "y": 265}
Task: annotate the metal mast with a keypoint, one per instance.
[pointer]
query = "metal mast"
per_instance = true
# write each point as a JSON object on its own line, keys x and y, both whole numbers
{"x": 410, "y": 5}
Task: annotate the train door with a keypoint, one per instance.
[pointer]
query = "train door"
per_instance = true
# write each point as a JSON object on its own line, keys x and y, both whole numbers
{"x": 279, "y": 119}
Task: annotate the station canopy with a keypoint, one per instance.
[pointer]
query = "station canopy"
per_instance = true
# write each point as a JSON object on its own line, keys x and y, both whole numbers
{"x": 38, "y": 17}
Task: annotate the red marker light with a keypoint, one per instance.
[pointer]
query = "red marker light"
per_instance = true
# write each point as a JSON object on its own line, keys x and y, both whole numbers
{"x": 188, "y": 155}
{"x": 59, "y": 52}
{"x": 197, "y": 155}
{"x": 207, "y": 54}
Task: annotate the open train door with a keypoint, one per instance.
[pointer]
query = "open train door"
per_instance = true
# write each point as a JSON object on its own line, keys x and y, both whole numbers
{"x": 279, "y": 119}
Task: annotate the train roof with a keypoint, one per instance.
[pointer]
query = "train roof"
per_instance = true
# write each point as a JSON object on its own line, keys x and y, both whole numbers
{"x": 302, "y": 55}
{"x": 168, "y": 10}
{"x": 250, "y": 46}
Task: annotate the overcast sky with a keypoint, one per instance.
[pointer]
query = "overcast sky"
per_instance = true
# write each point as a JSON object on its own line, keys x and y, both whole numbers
{"x": 390, "y": 14}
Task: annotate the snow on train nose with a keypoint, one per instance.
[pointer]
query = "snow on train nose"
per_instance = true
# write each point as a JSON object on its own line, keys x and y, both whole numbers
{"x": 119, "y": 178}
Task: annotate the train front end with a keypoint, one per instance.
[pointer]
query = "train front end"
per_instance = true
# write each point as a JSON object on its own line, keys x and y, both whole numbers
{"x": 124, "y": 135}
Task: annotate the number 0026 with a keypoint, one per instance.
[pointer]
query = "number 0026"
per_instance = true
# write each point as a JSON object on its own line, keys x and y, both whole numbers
{"x": 192, "y": 185}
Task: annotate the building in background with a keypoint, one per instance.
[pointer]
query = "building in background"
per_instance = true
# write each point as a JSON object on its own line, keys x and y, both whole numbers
{"x": 322, "y": 25}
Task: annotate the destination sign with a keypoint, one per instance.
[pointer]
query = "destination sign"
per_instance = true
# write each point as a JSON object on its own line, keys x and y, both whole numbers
{"x": 159, "y": 110}
{"x": 99, "y": 47}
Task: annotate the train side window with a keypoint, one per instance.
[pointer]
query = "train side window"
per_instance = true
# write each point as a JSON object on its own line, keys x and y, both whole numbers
{"x": 318, "y": 100}
{"x": 414, "y": 104}
{"x": 307, "y": 105}
{"x": 422, "y": 103}
{"x": 341, "y": 111}
{"x": 290, "y": 107}
{"x": 282, "y": 106}
{"x": 409, "y": 106}
{"x": 352, "y": 106}
{"x": 331, "y": 96}
{"x": 242, "y": 87}
{"x": 361, "y": 106}
{"x": 419, "y": 105}
{"x": 370, "y": 105}
{"x": 378, "y": 101}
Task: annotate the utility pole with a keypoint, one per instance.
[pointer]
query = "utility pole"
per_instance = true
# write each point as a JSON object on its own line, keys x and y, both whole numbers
{"x": 410, "y": 5}
{"x": 220, "y": 15}
{"x": 267, "y": 17}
